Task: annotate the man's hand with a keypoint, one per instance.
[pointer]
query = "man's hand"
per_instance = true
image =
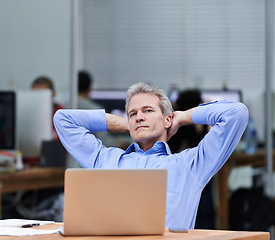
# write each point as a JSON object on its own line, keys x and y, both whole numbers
{"x": 180, "y": 118}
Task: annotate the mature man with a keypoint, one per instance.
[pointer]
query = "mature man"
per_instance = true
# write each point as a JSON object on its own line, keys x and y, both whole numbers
{"x": 151, "y": 121}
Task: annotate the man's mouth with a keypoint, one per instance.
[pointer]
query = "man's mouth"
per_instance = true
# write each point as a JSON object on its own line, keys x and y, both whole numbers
{"x": 140, "y": 127}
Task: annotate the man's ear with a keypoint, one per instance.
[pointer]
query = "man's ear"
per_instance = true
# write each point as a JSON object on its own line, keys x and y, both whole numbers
{"x": 168, "y": 121}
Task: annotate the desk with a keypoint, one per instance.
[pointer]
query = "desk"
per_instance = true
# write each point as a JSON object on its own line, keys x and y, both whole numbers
{"x": 236, "y": 160}
{"x": 31, "y": 179}
{"x": 192, "y": 234}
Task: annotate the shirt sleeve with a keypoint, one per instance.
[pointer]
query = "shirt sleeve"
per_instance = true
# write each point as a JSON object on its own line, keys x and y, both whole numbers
{"x": 75, "y": 128}
{"x": 228, "y": 121}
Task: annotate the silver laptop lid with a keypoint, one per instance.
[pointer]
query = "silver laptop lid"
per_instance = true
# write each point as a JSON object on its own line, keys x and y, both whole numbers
{"x": 114, "y": 202}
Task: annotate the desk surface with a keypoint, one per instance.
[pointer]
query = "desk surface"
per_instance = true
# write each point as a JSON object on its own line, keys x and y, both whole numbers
{"x": 192, "y": 234}
{"x": 257, "y": 159}
{"x": 31, "y": 179}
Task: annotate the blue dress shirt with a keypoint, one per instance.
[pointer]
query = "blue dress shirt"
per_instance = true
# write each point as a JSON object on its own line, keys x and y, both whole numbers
{"x": 188, "y": 171}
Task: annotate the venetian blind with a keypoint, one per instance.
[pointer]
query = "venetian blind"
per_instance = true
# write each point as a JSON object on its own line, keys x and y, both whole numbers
{"x": 198, "y": 43}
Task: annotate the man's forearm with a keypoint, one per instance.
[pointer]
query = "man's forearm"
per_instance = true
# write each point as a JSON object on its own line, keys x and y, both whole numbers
{"x": 184, "y": 117}
{"x": 116, "y": 123}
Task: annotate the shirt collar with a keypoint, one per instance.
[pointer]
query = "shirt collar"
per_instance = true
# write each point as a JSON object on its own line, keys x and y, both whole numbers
{"x": 159, "y": 147}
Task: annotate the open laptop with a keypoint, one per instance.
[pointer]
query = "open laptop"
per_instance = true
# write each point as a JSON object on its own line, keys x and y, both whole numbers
{"x": 114, "y": 202}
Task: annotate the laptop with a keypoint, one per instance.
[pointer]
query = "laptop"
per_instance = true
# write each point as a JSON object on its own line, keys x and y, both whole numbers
{"x": 114, "y": 202}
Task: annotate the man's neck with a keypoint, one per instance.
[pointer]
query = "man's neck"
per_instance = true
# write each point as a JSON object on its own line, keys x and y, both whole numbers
{"x": 148, "y": 146}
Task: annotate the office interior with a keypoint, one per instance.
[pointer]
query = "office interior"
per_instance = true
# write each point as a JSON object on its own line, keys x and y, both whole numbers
{"x": 215, "y": 45}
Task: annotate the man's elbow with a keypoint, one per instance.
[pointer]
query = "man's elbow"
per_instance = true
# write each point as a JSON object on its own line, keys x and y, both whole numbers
{"x": 58, "y": 116}
{"x": 243, "y": 113}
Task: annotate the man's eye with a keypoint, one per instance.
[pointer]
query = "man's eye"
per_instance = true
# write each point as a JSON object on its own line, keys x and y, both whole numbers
{"x": 148, "y": 110}
{"x": 132, "y": 114}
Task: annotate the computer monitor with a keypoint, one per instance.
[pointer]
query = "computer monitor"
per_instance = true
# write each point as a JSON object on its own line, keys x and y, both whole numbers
{"x": 113, "y": 101}
{"x": 214, "y": 95}
{"x": 7, "y": 120}
{"x": 34, "y": 121}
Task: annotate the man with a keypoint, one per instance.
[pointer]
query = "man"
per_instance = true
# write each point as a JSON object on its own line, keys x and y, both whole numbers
{"x": 85, "y": 87}
{"x": 151, "y": 121}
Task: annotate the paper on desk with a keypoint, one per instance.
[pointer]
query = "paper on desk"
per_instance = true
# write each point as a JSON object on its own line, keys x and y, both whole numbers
{"x": 12, "y": 227}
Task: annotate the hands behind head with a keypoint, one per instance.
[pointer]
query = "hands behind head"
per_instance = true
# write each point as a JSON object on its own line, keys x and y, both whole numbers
{"x": 180, "y": 118}
{"x": 175, "y": 125}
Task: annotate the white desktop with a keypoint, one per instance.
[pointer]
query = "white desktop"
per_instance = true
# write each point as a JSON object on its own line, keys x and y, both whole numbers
{"x": 34, "y": 121}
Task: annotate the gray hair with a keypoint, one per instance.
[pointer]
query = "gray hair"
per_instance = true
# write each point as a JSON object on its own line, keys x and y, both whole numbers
{"x": 165, "y": 104}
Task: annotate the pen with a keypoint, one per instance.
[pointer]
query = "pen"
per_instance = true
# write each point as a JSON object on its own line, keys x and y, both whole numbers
{"x": 30, "y": 225}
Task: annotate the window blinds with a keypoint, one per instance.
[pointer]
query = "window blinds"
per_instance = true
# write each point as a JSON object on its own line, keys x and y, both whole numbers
{"x": 198, "y": 43}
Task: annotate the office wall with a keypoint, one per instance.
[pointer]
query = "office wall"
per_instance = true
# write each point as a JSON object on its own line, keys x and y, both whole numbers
{"x": 35, "y": 40}
{"x": 191, "y": 43}
{"x": 196, "y": 43}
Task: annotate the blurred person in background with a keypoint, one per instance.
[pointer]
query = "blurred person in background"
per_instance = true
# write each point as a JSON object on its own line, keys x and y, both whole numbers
{"x": 44, "y": 82}
{"x": 85, "y": 88}
{"x": 188, "y": 137}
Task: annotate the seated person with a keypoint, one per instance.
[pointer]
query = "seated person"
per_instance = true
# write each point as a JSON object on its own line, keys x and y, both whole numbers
{"x": 151, "y": 121}
{"x": 188, "y": 137}
{"x": 85, "y": 87}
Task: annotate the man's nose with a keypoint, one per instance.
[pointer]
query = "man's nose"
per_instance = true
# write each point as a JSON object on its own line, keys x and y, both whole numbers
{"x": 140, "y": 116}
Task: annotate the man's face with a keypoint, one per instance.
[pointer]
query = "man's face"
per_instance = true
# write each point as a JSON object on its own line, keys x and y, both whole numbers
{"x": 147, "y": 124}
